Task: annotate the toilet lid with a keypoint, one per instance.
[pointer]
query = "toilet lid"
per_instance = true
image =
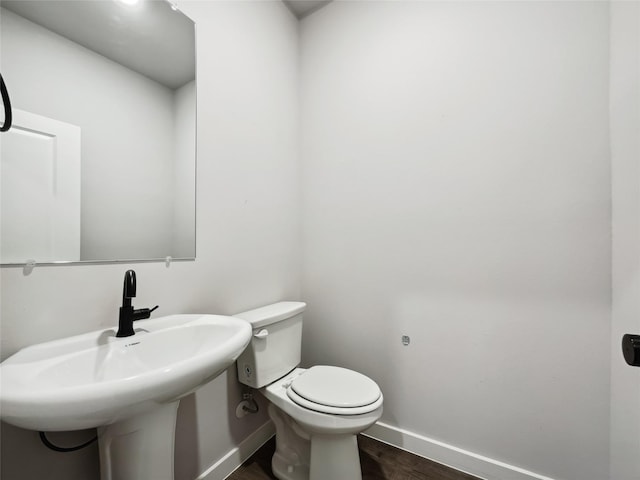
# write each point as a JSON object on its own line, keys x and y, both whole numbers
{"x": 335, "y": 387}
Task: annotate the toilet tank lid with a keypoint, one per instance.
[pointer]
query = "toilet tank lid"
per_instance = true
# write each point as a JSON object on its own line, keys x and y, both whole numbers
{"x": 260, "y": 317}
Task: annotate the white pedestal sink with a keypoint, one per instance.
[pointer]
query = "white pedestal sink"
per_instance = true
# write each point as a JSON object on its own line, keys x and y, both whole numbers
{"x": 127, "y": 387}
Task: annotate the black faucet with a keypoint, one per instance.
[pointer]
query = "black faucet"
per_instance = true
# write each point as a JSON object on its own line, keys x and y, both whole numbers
{"x": 127, "y": 312}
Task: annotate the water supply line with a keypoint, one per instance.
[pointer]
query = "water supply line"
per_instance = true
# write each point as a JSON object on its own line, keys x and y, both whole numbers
{"x": 56, "y": 448}
{"x": 248, "y": 405}
{"x": 6, "y": 102}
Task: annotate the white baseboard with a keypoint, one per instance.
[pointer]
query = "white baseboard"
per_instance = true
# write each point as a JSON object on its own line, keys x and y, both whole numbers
{"x": 449, "y": 455}
{"x": 454, "y": 457}
{"x": 234, "y": 458}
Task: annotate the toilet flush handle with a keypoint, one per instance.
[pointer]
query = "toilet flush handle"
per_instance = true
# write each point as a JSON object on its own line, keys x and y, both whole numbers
{"x": 264, "y": 333}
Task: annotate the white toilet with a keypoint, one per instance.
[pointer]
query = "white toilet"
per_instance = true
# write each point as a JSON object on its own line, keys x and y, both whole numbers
{"x": 318, "y": 411}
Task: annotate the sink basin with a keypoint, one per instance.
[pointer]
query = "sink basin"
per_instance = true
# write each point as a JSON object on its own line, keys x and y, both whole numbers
{"x": 97, "y": 379}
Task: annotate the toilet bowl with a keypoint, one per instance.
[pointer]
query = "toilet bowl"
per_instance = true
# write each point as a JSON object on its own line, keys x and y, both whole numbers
{"x": 317, "y": 412}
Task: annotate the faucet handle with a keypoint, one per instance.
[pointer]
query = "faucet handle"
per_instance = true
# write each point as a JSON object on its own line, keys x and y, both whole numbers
{"x": 142, "y": 313}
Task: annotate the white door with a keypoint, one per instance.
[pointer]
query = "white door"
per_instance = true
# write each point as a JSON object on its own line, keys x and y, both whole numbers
{"x": 625, "y": 159}
{"x": 40, "y": 190}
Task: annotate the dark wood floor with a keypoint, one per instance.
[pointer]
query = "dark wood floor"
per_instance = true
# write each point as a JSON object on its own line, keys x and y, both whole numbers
{"x": 379, "y": 462}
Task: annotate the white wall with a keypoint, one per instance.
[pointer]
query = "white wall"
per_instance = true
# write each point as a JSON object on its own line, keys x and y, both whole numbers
{"x": 248, "y": 238}
{"x": 625, "y": 159}
{"x": 457, "y": 190}
{"x": 127, "y": 136}
{"x": 184, "y": 171}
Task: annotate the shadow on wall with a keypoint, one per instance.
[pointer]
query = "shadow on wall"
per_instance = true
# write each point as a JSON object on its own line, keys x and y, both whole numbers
{"x": 17, "y": 461}
{"x": 193, "y": 429}
{"x": 187, "y": 459}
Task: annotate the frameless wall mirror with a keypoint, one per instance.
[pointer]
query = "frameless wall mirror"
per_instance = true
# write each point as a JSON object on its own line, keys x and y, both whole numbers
{"x": 99, "y": 164}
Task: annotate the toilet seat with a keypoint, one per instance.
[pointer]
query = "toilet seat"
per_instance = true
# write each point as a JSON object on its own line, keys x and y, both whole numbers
{"x": 335, "y": 390}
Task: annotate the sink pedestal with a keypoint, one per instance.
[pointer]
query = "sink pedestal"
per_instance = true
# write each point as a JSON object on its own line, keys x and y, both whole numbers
{"x": 141, "y": 447}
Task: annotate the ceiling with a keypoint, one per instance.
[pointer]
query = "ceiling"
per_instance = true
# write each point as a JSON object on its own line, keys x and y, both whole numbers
{"x": 149, "y": 38}
{"x": 302, "y": 8}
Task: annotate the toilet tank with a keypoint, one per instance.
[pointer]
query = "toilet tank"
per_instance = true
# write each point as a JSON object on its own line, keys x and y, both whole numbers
{"x": 275, "y": 346}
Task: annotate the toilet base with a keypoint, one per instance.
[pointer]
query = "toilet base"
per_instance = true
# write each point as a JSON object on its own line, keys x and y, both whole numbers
{"x": 292, "y": 457}
{"x": 301, "y": 456}
{"x": 335, "y": 456}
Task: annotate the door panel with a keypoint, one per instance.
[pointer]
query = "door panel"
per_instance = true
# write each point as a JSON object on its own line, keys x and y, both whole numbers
{"x": 40, "y": 190}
